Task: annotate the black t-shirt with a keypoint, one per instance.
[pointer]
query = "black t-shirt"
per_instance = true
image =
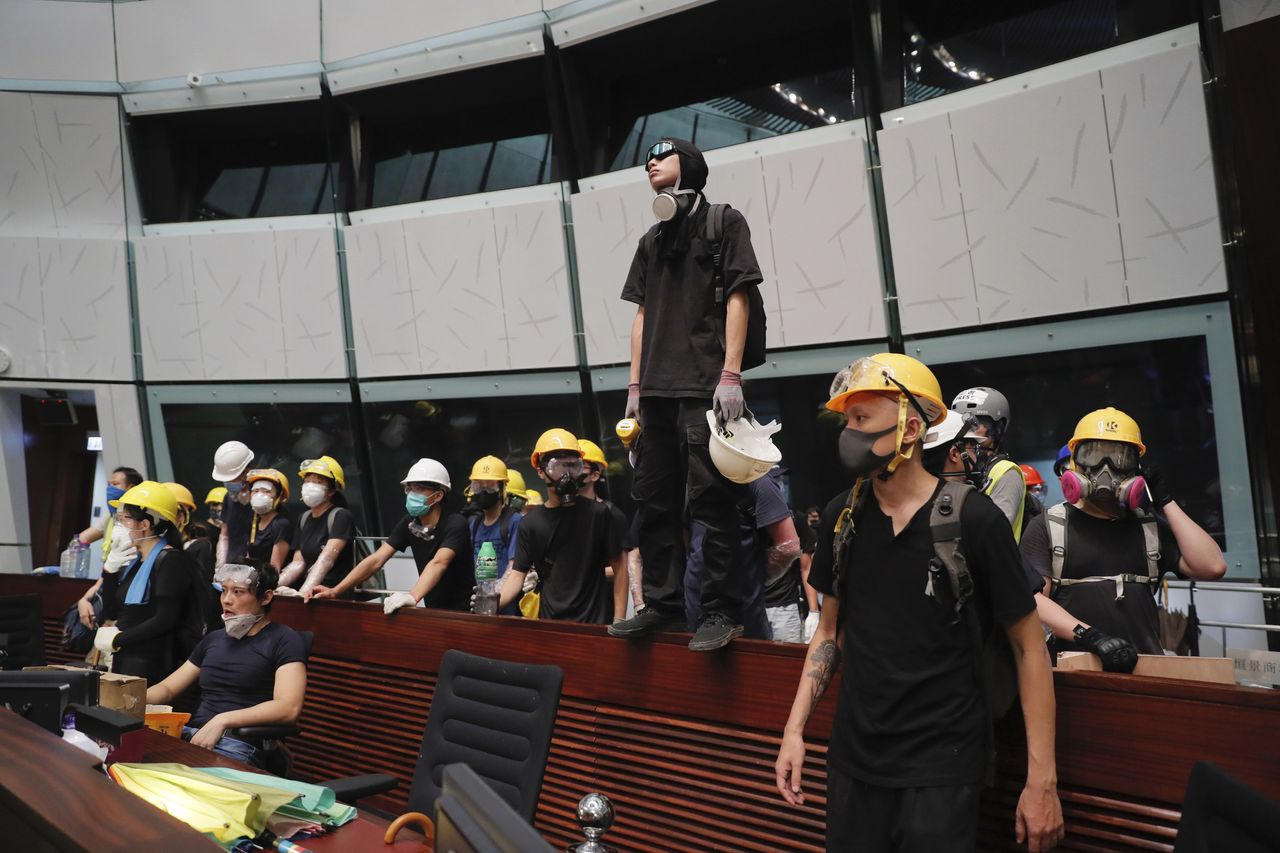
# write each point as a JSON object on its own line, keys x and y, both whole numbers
{"x": 1098, "y": 547}
{"x": 910, "y": 713}
{"x": 236, "y": 520}
{"x": 453, "y": 592}
{"x": 237, "y": 674}
{"x": 279, "y": 529}
{"x": 314, "y": 533}
{"x": 569, "y": 546}
{"x": 683, "y": 349}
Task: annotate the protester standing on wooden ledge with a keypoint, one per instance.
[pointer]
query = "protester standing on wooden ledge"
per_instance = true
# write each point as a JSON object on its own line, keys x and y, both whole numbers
{"x": 912, "y": 743}
{"x": 694, "y": 293}
{"x": 1103, "y": 551}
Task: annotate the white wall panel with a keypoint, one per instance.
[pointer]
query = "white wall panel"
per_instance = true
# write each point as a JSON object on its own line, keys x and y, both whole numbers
{"x": 160, "y": 39}
{"x": 535, "y": 284}
{"x": 608, "y": 223}
{"x": 21, "y": 308}
{"x": 1241, "y": 13}
{"x": 1058, "y": 170}
{"x": 311, "y": 310}
{"x": 355, "y": 27}
{"x": 87, "y": 332}
{"x": 933, "y": 271}
{"x": 825, "y": 261}
{"x": 239, "y": 299}
{"x": 60, "y": 172}
{"x": 168, "y": 309}
{"x": 1159, "y": 129}
{"x": 457, "y": 295}
{"x": 40, "y": 40}
{"x": 383, "y": 315}
{"x": 1037, "y": 188}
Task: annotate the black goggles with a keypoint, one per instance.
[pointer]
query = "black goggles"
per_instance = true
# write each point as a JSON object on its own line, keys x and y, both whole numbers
{"x": 660, "y": 151}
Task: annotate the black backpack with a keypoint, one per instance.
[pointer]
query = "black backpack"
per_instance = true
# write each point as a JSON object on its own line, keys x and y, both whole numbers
{"x": 753, "y": 350}
{"x": 359, "y": 549}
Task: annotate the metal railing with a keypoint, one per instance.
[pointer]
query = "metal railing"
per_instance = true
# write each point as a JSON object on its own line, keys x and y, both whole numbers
{"x": 1220, "y": 586}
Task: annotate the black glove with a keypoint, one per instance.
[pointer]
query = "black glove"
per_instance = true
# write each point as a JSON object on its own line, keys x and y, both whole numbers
{"x": 1157, "y": 486}
{"x": 1117, "y": 654}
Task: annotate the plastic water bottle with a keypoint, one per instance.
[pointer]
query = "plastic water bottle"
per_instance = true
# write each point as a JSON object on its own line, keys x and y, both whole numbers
{"x": 487, "y": 581}
{"x": 67, "y": 563}
{"x": 82, "y": 559}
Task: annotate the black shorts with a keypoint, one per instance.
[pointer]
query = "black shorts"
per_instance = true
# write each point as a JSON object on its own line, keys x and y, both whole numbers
{"x": 863, "y": 817}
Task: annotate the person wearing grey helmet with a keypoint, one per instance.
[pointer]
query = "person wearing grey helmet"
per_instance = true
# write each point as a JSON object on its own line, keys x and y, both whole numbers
{"x": 693, "y": 280}
{"x": 987, "y": 466}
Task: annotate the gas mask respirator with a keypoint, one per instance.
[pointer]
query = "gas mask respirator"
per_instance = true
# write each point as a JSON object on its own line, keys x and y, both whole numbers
{"x": 566, "y": 475}
{"x": 1105, "y": 473}
{"x": 672, "y": 202}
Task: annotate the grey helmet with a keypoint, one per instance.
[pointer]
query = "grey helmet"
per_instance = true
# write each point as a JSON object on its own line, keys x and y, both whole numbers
{"x": 986, "y": 403}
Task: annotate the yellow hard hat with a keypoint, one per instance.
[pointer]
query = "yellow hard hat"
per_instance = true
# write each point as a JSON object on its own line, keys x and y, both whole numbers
{"x": 489, "y": 468}
{"x": 274, "y": 476}
{"x": 325, "y": 466}
{"x": 888, "y": 373}
{"x": 591, "y": 452}
{"x": 1109, "y": 424}
{"x": 153, "y": 497}
{"x": 182, "y": 494}
{"x": 216, "y": 495}
{"x": 553, "y": 440}
{"x": 533, "y": 497}
{"x": 515, "y": 483}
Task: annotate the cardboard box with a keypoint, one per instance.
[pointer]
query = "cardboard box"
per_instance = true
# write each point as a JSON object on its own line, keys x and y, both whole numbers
{"x": 1216, "y": 670}
{"x": 124, "y": 693}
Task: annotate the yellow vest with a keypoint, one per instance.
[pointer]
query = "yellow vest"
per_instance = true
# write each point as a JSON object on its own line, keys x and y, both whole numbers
{"x": 106, "y": 536}
{"x": 998, "y": 470}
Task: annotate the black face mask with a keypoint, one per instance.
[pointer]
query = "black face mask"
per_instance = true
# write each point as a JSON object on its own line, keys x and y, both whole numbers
{"x": 856, "y": 454}
{"x": 485, "y": 500}
{"x": 567, "y": 486}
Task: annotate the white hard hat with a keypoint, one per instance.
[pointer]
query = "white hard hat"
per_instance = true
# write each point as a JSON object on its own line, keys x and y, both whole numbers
{"x": 230, "y": 460}
{"x": 743, "y": 450}
{"x": 947, "y": 431}
{"x": 427, "y": 471}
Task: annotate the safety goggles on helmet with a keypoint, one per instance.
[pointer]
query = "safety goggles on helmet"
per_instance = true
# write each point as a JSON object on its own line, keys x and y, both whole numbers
{"x": 866, "y": 373}
{"x": 1120, "y": 455}
{"x": 559, "y": 466}
{"x": 235, "y": 573}
{"x": 485, "y": 486}
{"x": 660, "y": 151}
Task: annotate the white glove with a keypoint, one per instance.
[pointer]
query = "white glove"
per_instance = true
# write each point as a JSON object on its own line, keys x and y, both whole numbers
{"x": 530, "y": 581}
{"x": 104, "y": 639}
{"x": 288, "y": 592}
{"x": 810, "y": 625}
{"x": 118, "y": 559}
{"x": 396, "y": 600}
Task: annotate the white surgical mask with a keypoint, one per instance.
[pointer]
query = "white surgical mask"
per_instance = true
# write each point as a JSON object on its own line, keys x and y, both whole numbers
{"x": 262, "y": 503}
{"x": 313, "y": 494}
{"x": 238, "y": 626}
{"x": 120, "y": 538}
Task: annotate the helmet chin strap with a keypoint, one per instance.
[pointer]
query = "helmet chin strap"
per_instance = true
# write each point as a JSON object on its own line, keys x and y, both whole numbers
{"x": 899, "y": 455}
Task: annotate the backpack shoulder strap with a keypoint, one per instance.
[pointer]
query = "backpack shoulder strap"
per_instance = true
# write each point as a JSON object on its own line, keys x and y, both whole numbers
{"x": 948, "y": 547}
{"x": 1056, "y": 519}
{"x": 473, "y": 527}
{"x": 715, "y": 239}
{"x": 1150, "y": 543}
{"x": 504, "y": 529}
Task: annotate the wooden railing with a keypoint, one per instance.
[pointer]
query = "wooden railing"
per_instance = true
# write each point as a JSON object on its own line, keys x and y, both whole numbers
{"x": 684, "y": 743}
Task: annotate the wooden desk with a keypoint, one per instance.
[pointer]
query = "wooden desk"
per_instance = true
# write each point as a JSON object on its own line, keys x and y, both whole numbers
{"x": 54, "y": 797}
{"x": 362, "y": 834}
{"x": 684, "y": 743}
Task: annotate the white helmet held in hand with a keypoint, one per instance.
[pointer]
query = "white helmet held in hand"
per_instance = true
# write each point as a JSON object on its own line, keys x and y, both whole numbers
{"x": 743, "y": 450}
{"x": 428, "y": 471}
{"x": 230, "y": 460}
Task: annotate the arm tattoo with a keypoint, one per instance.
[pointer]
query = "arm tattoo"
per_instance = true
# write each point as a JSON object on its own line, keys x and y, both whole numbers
{"x": 826, "y": 657}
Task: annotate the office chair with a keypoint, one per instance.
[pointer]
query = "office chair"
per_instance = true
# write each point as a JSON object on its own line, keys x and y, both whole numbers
{"x": 275, "y": 753}
{"x": 21, "y": 631}
{"x": 494, "y": 716}
{"x": 1220, "y": 814}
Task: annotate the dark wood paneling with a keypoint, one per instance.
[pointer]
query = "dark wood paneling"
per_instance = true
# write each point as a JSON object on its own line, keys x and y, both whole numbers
{"x": 684, "y": 743}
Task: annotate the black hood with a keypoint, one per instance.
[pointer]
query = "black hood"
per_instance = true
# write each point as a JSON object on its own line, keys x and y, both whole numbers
{"x": 693, "y": 166}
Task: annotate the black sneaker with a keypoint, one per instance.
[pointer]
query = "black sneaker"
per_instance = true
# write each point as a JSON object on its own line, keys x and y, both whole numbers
{"x": 648, "y": 620}
{"x": 715, "y": 632}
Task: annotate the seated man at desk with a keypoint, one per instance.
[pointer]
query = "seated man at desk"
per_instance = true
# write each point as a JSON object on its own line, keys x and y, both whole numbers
{"x": 253, "y": 672}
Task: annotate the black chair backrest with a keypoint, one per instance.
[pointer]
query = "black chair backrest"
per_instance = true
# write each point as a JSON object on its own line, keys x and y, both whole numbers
{"x": 494, "y": 716}
{"x": 1223, "y": 815}
{"x": 21, "y": 631}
